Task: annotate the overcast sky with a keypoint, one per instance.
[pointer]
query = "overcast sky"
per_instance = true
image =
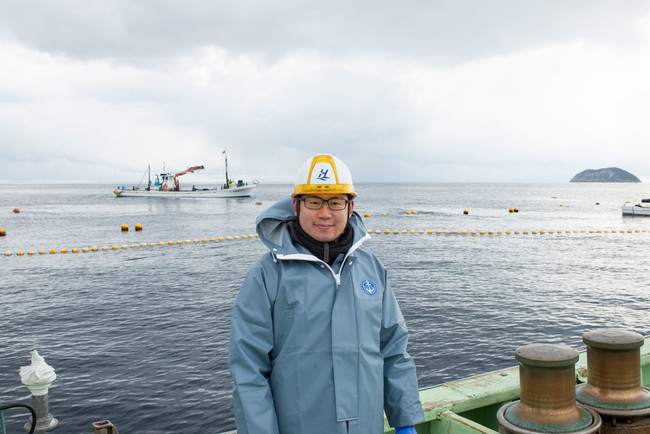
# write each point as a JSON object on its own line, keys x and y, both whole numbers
{"x": 413, "y": 90}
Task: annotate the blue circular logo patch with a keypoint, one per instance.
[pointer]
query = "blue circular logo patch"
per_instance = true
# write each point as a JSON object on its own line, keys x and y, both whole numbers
{"x": 369, "y": 287}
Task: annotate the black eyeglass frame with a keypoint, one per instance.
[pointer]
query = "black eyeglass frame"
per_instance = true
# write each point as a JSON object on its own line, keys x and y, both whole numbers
{"x": 303, "y": 198}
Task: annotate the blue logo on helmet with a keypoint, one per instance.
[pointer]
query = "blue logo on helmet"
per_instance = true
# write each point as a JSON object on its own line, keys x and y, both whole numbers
{"x": 369, "y": 287}
{"x": 322, "y": 176}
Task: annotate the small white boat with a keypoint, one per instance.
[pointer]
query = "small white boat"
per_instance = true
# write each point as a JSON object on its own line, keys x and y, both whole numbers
{"x": 640, "y": 209}
{"x": 167, "y": 185}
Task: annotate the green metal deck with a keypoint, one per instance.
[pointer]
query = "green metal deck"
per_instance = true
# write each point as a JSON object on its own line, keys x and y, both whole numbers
{"x": 470, "y": 405}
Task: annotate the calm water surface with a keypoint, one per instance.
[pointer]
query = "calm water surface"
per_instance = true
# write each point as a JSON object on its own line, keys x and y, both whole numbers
{"x": 139, "y": 336}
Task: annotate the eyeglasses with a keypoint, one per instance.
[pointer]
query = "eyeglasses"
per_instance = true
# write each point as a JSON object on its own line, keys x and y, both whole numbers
{"x": 315, "y": 202}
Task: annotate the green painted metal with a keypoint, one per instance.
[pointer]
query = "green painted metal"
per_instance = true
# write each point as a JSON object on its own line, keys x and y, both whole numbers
{"x": 470, "y": 405}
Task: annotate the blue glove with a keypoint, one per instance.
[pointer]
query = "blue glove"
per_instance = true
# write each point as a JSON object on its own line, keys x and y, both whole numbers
{"x": 405, "y": 430}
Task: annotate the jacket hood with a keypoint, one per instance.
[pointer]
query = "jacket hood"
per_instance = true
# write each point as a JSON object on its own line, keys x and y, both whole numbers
{"x": 272, "y": 227}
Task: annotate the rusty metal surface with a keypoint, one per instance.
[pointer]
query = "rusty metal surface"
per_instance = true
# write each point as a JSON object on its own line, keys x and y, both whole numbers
{"x": 614, "y": 374}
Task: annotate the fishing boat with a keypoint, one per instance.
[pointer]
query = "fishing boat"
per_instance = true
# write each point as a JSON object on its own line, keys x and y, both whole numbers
{"x": 167, "y": 185}
{"x": 640, "y": 209}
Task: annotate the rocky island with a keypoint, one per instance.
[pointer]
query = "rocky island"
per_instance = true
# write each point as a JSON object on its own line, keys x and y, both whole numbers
{"x": 608, "y": 174}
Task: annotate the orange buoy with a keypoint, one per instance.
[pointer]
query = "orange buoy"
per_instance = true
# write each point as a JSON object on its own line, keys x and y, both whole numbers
{"x": 16, "y": 210}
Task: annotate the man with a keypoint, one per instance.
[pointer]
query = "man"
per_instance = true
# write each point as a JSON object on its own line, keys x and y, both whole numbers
{"x": 317, "y": 340}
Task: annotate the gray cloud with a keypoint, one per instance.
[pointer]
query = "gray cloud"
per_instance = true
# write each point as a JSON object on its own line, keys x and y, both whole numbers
{"x": 442, "y": 31}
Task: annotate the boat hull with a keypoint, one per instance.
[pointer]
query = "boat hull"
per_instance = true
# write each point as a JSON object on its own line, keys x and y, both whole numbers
{"x": 636, "y": 210}
{"x": 244, "y": 191}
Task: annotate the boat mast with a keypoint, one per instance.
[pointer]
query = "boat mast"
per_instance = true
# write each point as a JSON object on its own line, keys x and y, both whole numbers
{"x": 149, "y": 176}
{"x": 227, "y": 176}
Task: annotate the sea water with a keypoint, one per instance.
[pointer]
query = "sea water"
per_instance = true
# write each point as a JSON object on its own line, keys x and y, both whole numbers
{"x": 139, "y": 335}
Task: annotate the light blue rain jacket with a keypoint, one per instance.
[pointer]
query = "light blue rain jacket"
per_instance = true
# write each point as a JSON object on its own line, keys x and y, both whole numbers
{"x": 315, "y": 349}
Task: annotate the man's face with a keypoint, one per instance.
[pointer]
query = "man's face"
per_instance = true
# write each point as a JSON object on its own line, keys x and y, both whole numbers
{"x": 323, "y": 224}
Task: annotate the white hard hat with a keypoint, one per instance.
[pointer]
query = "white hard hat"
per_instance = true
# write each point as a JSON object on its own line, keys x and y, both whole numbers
{"x": 324, "y": 174}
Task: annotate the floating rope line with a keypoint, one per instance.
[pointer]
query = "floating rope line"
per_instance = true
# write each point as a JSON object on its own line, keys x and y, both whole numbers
{"x": 115, "y": 247}
{"x": 505, "y": 232}
{"x": 479, "y": 233}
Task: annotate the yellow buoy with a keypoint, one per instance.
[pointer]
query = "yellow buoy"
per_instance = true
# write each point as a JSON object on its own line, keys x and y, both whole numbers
{"x": 511, "y": 210}
{"x": 465, "y": 212}
{"x": 104, "y": 248}
{"x": 415, "y": 212}
{"x": 220, "y": 238}
{"x": 20, "y": 253}
{"x": 64, "y": 250}
{"x": 204, "y": 240}
{"x": 75, "y": 250}
{"x": 125, "y": 228}
{"x": 7, "y": 253}
{"x": 516, "y": 209}
{"x": 125, "y": 246}
{"x": 115, "y": 247}
{"x": 161, "y": 243}
{"x": 213, "y": 239}
{"x": 52, "y": 251}
{"x": 41, "y": 252}
{"x": 138, "y": 227}
{"x": 228, "y": 238}
{"x": 367, "y": 214}
{"x": 408, "y": 212}
{"x": 396, "y": 231}
{"x": 383, "y": 213}
{"x": 134, "y": 245}
{"x": 429, "y": 232}
{"x": 94, "y": 248}
{"x": 85, "y": 250}
{"x": 2, "y": 233}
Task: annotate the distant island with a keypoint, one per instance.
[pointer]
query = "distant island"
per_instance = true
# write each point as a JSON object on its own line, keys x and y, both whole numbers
{"x": 608, "y": 174}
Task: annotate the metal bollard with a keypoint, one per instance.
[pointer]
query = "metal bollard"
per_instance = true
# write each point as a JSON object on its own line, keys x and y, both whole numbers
{"x": 547, "y": 400}
{"x": 38, "y": 378}
{"x": 613, "y": 385}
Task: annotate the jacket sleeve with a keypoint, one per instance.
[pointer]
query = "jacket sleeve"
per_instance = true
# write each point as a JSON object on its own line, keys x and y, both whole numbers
{"x": 401, "y": 396}
{"x": 251, "y": 340}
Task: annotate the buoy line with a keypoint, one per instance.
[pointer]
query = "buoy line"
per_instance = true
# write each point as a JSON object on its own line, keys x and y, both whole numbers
{"x": 115, "y": 247}
{"x": 506, "y": 232}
